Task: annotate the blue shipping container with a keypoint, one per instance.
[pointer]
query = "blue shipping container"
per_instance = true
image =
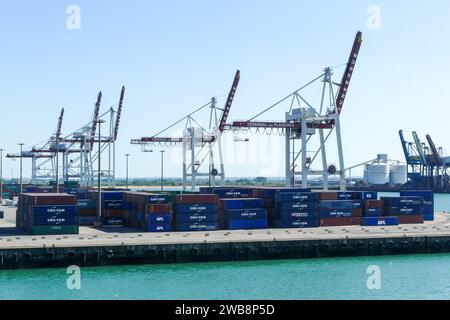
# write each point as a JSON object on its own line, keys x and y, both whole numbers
{"x": 242, "y": 203}
{"x": 246, "y": 224}
{"x": 405, "y": 210}
{"x": 335, "y": 213}
{"x": 297, "y": 196}
{"x": 46, "y": 220}
{"x": 425, "y": 194}
{"x": 273, "y": 192}
{"x": 402, "y": 201}
{"x": 373, "y": 212}
{"x": 380, "y": 221}
{"x": 87, "y": 221}
{"x": 297, "y": 223}
{"x": 428, "y": 209}
{"x": 112, "y": 221}
{"x": 155, "y": 218}
{"x": 428, "y": 217}
{"x": 286, "y": 215}
{"x": 196, "y": 226}
{"x": 245, "y": 214}
{"x": 358, "y": 204}
{"x": 196, "y": 217}
{"x": 233, "y": 193}
{"x": 158, "y": 227}
{"x": 336, "y": 204}
{"x": 365, "y": 195}
{"x": 112, "y": 195}
{"x": 345, "y": 195}
{"x": 198, "y": 208}
{"x": 54, "y": 210}
{"x": 297, "y": 206}
{"x": 112, "y": 204}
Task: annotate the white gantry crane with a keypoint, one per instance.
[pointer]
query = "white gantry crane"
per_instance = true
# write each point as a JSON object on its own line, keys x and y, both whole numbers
{"x": 79, "y": 150}
{"x": 198, "y": 142}
{"x": 305, "y": 121}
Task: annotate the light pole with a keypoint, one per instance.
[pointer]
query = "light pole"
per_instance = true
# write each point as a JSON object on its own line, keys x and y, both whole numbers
{"x": 99, "y": 185}
{"x": 162, "y": 170}
{"x": 21, "y": 173}
{"x": 127, "y": 156}
{"x": 57, "y": 164}
{"x": 1, "y": 175}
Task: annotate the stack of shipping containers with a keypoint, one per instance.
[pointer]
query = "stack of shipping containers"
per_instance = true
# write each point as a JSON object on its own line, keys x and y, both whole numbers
{"x": 242, "y": 213}
{"x": 409, "y": 210}
{"x": 296, "y": 210}
{"x": 112, "y": 201}
{"x": 428, "y": 202}
{"x": 47, "y": 214}
{"x": 196, "y": 212}
{"x": 147, "y": 211}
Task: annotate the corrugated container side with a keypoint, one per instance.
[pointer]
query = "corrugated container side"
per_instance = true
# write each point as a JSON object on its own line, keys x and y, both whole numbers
{"x": 380, "y": 221}
{"x": 195, "y": 208}
{"x": 246, "y": 224}
{"x": 413, "y": 219}
{"x": 335, "y": 213}
{"x": 297, "y": 206}
{"x": 196, "y": 226}
{"x": 297, "y": 223}
{"x": 336, "y": 222}
{"x": 338, "y": 204}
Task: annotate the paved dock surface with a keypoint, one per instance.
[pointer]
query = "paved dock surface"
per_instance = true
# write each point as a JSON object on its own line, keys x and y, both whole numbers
{"x": 10, "y": 238}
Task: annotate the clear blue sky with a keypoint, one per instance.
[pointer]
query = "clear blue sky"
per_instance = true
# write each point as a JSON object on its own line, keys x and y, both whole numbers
{"x": 174, "y": 55}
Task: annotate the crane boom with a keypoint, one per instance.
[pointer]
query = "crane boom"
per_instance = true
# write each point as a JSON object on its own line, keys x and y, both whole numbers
{"x": 277, "y": 125}
{"x": 434, "y": 150}
{"x": 95, "y": 118}
{"x": 420, "y": 148}
{"x": 119, "y": 113}
{"x": 60, "y": 121}
{"x": 348, "y": 72}
{"x": 404, "y": 146}
{"x": 229, "y": 102}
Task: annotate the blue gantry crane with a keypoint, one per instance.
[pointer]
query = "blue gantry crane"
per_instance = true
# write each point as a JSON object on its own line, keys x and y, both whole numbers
{"x": 427, "y": 166}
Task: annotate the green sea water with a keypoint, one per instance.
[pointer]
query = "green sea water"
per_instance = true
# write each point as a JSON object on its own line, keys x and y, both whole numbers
{"x": 401, "y": 277}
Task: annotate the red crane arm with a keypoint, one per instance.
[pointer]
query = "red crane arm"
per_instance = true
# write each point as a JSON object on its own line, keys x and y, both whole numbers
{"x": 226, "y": 110}
{"x": 436, "y": 155}
{"x": 146, "y": 140}
{"x": 277, "y": 124}
{"x": 119, "y": 113}
{"x": 60, "y": 120}
{"x": 348, "y": 72}
{"x": 156, "y": 139}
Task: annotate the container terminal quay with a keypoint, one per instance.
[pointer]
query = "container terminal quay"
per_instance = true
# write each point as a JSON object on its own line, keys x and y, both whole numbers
{"x": 73, "y": 212}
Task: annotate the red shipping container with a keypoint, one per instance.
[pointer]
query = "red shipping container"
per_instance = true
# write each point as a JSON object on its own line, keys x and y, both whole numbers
{"x": 411, "y": 219}
{"x": 336, "y": 222}
{"x": 357, "y": 213}
{"x": 196, "y": 199}
{"x": 159, "y": 208}
{"x": 87, "y": 212}
{"x": 49, "y": 199}
{"x": 373, "y": 204}
{"x": 356, "y": 221}
{"x": 327, "y": 195}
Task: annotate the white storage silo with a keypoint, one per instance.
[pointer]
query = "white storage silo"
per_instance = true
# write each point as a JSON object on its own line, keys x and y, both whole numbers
{"x": 378, "y": 174}
{"x": 398, "y": 174}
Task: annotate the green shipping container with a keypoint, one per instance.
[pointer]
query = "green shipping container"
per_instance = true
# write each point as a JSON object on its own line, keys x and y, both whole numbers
{"x": 54, "y": 230}
{"x": 86, "y": 204}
